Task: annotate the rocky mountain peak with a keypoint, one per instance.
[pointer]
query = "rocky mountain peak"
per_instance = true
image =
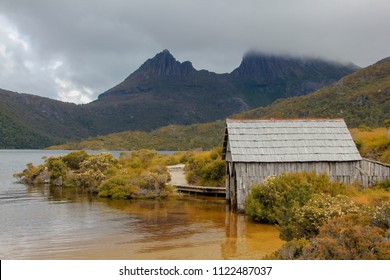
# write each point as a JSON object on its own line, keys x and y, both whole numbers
{"x": 262, "y": 67}
{"x": 266, "y": 67}
{"x": 164, "y": 64}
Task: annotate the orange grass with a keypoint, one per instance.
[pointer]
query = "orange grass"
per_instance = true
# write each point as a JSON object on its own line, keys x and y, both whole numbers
{"x": 373, "y": 144}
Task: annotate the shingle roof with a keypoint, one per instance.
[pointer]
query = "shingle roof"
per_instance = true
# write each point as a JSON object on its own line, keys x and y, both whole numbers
{"x": 289, "y": 140}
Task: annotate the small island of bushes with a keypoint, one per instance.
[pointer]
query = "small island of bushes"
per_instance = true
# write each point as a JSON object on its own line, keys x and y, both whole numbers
{"x": 137, "y": 174}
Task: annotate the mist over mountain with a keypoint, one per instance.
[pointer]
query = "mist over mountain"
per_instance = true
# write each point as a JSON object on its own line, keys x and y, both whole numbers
{"x": 361, "y": 98}
{"x": 163, "y": 91}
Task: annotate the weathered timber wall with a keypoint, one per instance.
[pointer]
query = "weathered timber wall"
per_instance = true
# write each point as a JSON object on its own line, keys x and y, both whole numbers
{"x": 370, "y": 172}
{"x": 242, "y": 175}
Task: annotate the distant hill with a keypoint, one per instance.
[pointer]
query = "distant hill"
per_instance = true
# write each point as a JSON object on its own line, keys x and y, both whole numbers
{"x": 29, "y": 121}
{"x": 361, "y": 98}
{"x": 163, "y": 91}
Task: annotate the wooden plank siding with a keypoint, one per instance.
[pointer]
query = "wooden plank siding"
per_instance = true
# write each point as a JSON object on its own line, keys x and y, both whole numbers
{"x": 258, "y": 148}
{"x": 246, "y": 174}
{"x": 371, "y": 172}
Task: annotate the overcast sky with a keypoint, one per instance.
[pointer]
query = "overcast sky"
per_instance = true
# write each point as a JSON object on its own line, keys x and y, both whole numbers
{"x": 73, "y": 50}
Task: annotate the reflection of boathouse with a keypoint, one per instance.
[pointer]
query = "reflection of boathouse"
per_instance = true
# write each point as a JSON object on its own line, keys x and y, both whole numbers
{"x": 257, "y": 148}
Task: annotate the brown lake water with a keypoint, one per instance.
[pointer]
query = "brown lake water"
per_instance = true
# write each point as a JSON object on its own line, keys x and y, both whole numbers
{"x": 53, "y": 223}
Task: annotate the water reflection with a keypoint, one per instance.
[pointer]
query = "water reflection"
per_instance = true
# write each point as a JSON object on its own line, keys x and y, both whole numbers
{"x": 180, "y": 228}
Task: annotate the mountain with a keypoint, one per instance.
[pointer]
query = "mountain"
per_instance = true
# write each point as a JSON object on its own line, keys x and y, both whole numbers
{"x": 165, "y": 91}
{"x": 30, "y": 121}
{"x": 162, "y": 91}
{"x": 361, "y": 98}
{"x": 271, "y": 77}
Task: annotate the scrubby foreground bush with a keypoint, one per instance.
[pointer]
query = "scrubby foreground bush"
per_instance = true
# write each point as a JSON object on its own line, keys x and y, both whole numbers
{"x": 206, "y": 168}
{"x": 319, "y": 220}
{"x": 138, "y": 174}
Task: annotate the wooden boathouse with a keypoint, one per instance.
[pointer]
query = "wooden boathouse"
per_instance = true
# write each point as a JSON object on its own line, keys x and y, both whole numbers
{"x": 255, "y": 149}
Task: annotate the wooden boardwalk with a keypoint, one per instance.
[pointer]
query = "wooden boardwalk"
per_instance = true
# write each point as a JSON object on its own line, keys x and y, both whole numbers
{"x": 179, "y": 181}
{"x": 201, "y": 190}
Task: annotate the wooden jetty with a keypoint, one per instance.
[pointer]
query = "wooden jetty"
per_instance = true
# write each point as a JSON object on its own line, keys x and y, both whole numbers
{"x": 178, "y": 180}
{"x": 201, "y": 190}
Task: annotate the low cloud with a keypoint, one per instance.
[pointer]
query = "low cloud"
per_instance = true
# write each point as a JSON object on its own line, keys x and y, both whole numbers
{"x": 74, "y": 50}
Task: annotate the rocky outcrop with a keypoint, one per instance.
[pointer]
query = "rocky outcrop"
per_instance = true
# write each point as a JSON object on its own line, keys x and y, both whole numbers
{"x": 160, "y": 92}
{"x": 163, "y": 65}
{"x": 262, "y": 68}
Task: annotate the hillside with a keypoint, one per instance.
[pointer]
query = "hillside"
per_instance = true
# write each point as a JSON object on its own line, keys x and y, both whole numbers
{"x": 168, "y": 138}
{"x": 360, "y": 98}
{"x": 30, "y": 121}
{"x": 163, "y": 91}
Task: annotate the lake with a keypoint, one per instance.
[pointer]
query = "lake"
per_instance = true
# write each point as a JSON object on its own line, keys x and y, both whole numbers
{"x": 54, "y": 223}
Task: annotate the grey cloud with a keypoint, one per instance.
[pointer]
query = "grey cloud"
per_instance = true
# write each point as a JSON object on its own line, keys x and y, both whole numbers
{"x": 100, "y": 42}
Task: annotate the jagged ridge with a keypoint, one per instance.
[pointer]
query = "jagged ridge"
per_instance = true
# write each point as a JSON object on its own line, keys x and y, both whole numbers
{"x": 165, "y": 91}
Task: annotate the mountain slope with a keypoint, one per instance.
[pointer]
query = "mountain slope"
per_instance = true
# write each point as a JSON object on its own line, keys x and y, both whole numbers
{"x": 163, "y": 91}
{"x": 266, "y": 78}
{"x": 360, "y": 98}
{"x": 30, "y": 121}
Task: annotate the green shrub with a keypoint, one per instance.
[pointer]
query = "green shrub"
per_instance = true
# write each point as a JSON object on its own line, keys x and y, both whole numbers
{"x": 385, "y": 157}
{"x": 364, "y": 127}
{"x": 33, "y": 174}
{"x": 387, "y": 123}
{"x": 99, "y": 162}
{"x": 206, "y": 168}
{"x": 90, "y": 179}
{"x": 74, "y": 159}
{"x": 307, "y": 220}
{"x": 118, "y": 187}
{"x": 290, "y": 250}
{"x": 381, "y": 216}
{"x": 273, "y": 200}
{"x": 385, "y": 185}
{"x": 57, "y": 168}
{"x": 138, "y": 174}
{"x": 350, "y": 237}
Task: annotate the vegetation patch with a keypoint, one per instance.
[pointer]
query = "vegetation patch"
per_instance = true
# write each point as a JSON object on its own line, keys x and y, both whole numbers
{"x": 139, "y": 174}
{"x": 321, "y": 219}
{"x": 206, "y": 168}
{"x": 373, "y": 143}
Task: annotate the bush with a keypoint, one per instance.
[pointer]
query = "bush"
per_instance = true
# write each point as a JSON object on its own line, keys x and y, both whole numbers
{"x": 387, "y": 123}
{"x": 381, "y": 216}
{"x": 307, "y": 220}
{"x": 273, "y": 200}
{"x": 33, "y": 175}
{"x": 290, "y": 250}
{"x": 57, "y": 168}
{"x": 385, "y": 157}
{"x": 137, "y": 174}
{"x": 206, "y": 168}
{"x": 364, "y": 127}
{"x": 351, "y": 237}
{"x": 102, "y": 162}
{"x": 118, "y": 187}
{"x": 74, "y": 159}
{"x": 385, "y": 185}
